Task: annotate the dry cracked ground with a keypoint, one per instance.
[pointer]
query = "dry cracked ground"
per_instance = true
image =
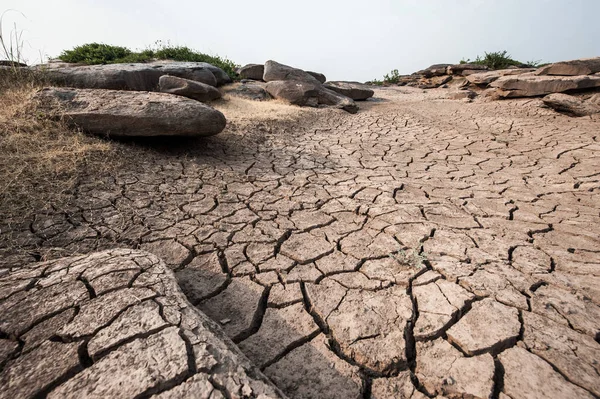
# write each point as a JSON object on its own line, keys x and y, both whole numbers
{"x": 421, "y": 248}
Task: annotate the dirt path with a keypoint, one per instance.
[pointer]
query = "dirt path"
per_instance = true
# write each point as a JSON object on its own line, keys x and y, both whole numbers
{"x": 421, "y": 247}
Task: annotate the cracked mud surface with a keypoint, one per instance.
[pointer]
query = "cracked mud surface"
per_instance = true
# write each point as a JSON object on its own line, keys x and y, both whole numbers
{"x": 422, "y": 247}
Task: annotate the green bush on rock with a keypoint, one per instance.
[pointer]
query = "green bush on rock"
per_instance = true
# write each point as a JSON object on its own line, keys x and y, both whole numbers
{"x": 96, "y": 53}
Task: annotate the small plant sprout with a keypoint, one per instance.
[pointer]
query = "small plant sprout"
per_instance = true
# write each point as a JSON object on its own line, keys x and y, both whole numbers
{"x": 414, "y": 257}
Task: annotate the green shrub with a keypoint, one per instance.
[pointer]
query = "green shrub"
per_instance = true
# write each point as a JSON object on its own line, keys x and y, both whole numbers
{"x": 94, "y": 53}
{"x": 499, "y": 60}
{"x": 392, "y": 77}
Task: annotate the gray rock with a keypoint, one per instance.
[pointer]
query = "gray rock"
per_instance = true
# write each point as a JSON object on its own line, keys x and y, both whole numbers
{"x": 337, "y": 100}
{"x": 571, "y": 105}
{"x": 142, "y": 77}
{"x": 354, "y": 90}
{"x": 586, "y": 66}
{"x": 252, "y": 71}
{"x": 188, "y": 88}
{"x": 252, "y": 91}
{"x": 531, "y": 86}
{"x": 276, "y": 71}
{"x": 319, "y": 76}
{"x": 295, "y": 91}
{"x": 123, "y": 113}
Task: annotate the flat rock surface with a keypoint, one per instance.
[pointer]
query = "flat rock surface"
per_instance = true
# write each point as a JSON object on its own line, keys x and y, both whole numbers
{"x": 132, "y": 76}
{"x": 323, "y": 243}
{"x": 142, "y": 338}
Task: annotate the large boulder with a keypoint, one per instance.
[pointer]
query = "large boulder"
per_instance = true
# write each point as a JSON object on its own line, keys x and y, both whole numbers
{"x": 485, "y": 78}
{"x": 188, "y": 88}
{"x": 464, "y": 69}
{"x": 276, "y": 71}
{"x": 252, "y": 91}
{"x": 295, "y": 92}
{"x": 571, "y": 105}
{"x": 252, "y": 71}
{"x": 337, "y": 100}
{"x": 532, "y": 85}
{"x": 354, "y": 90}
{"x": 114, "y": 324}
{"x": 319, "y": 76}
{"x": 586, "y": 66}
{"x": 124, "y": 113}
{"x": 137, "y": 76}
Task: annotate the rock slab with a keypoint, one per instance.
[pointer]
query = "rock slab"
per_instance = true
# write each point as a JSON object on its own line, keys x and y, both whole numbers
{"x": 130, "y": 114}
{"x": 586, "y": 66}
{"x": 136, "y": 76}
{"x": 532, "y": 86}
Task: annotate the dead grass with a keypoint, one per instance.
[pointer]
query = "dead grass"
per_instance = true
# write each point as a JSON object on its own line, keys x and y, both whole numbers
{"x": 243, "y": 112}
{"x": 40, "y": 160}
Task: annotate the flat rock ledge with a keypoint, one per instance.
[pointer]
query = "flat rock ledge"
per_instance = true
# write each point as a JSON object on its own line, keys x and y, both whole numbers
{"x": 118, "y": 113}
{"x": 114, "y": 324}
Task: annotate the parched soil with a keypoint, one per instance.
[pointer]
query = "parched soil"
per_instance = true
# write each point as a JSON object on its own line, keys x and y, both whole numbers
{"x": 421, "y": 247}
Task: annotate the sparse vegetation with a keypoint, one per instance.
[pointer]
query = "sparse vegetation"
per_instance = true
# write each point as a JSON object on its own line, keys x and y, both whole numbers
{"x": 95, "y": 53}
{"x": 389, "y": 78}
{"x": 499, "y": 60}
{"x": 40, "y": 159}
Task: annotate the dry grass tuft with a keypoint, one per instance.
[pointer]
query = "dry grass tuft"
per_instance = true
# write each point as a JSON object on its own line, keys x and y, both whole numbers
{"x": 40, "y": 160}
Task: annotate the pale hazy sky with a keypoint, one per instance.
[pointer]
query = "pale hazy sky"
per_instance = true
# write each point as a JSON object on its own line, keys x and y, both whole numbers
{"x": 346, "y": 40}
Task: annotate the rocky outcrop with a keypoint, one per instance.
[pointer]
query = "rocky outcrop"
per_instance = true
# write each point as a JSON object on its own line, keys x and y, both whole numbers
{"x": 302, "y": 88}
{"x": 572, "y": 105}
{"x": 433, "y": 83}
{"x": 354, "y": 90}
{"x": 531, "y": 86}
{"x": 252, "y": 91}
{"x": 188, "y": 88}
{"x": 295, "y": 92}
{"x": 252, "y": 71}
{"x": 140, "y": 77}
{"x": 485, "y": 78}
{"x": 276, "y": 71}
{"x": 434, "y": 70}
{"x": 586, "y": 66}
{"x": 123, "y": 113}
{"x": 465, "y": 69}
{"x": 114, "y": 324}
{"x": 319, "y": 76}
